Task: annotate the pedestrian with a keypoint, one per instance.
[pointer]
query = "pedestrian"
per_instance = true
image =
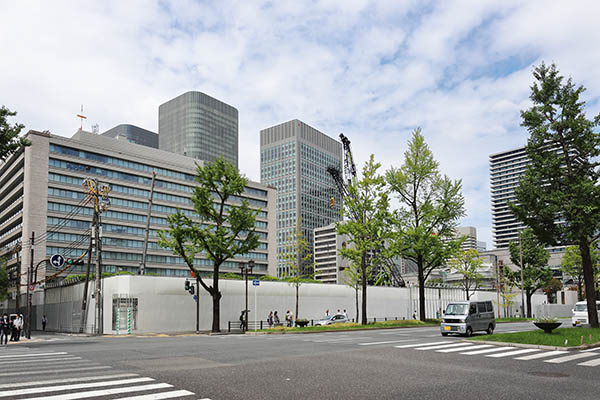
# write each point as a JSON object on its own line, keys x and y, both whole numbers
{"x": 21, "y": 325}
{"x": 327, "y": 312}
{"x": 14, "y": 329}
{"x": 414, "y": 314}
{"x": 288, "y": 318}
{"x": 291, "y": 318}
{"x": 243, "y": 321}
{"x": 339, "y": 311}
{"x": 5, "y": 328}
{"x": 276, "y": 320}
{"x": 270, "y": 319}
{"x": 345, "y": 314}
{"x": 18, "y": 323}
{"x": 44, "y": 322}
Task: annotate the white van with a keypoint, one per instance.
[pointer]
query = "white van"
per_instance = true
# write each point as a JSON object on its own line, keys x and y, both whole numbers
{"x": 580, "y": 314}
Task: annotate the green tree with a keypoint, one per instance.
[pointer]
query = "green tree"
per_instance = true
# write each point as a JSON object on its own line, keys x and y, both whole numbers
{"x": 468, "y": 264}
{"x": 297, "y": 259}
{"x": 10, "y": 141}
{"x": 507, "y": 300}
{"x": 430, "y": 206}
{"x": 536, "y": 273}
{"x": 366, "y": 223}
{"x": 572, "y": 265}
{"x": 561, "y": 181}
{"x": 223, "y": 229}
{"x": 4, "y": 281}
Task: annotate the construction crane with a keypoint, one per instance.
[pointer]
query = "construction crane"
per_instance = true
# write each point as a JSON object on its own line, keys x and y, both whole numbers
{"x": 349, "y": 175}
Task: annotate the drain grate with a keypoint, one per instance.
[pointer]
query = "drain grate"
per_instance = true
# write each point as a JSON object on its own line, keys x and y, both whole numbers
{"x": 548, "y": 374}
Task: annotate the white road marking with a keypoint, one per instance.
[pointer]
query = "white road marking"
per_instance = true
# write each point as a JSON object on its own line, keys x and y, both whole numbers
{"x": 480, "y": 346}
{"x": 591, "y": 363}
{"x": 512, "y": 353}
{"x": 472, "y": 353}
{"x": 444, "y": 346}
{"x": 569, "y": 358}
{"x": 159, "y": 396}
{"x": 45, "y": 371}
{"x": 66, "y": 380}
{"x": 589, "y": 350}
{"x": 386, "y": 342}
{"x": 46, "y": 389}
{"x": 340, "y": 339}
{"x": 41, "y": 360}
{"x": 33, "y": 355}
{"x": 81, "y": 363}
{"x": 106, "y": 392}
{"x": 406, "y": 346}
{"x": 541, "y": 355}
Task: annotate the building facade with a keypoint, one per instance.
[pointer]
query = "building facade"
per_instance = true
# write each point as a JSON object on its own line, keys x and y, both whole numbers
{"x": 42, "y": 194}
{"x": 198, "y": 126}
{"x": 294, "y": 158}
{"x": 133, "y": 134}
{"x": 329, "y": 264}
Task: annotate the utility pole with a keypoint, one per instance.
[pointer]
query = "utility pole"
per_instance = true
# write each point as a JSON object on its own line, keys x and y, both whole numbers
{"x": 99, "y": 308}
{"x": 522, "y": 280}
{"x": 29, "y": 291}
{"x": 143, "y": 263}
{"x": 85, "y": 286}
{"x": 197, "y": 303}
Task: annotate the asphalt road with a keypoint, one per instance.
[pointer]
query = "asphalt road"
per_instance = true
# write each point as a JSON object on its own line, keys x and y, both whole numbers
{"x": 415, "y": 363}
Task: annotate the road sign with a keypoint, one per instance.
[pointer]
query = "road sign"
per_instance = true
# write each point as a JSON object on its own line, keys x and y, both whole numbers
{"x": 255, "y": 282}
{"x": 57, "y": 260}
{"x": 31, "y": 287}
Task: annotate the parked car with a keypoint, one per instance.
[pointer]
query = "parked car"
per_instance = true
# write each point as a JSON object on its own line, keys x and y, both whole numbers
{"x": 332, "y": 319}
{"x": 466, "y": 317}
{"x": 580, "y": 313}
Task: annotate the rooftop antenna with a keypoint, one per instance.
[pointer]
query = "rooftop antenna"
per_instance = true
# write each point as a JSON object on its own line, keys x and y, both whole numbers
{"x": 81, "y": 117}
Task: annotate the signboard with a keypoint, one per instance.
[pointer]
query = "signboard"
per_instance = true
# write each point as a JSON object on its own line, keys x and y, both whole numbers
{"x": 255, "y": 282}
{"x": 57, "y": 260}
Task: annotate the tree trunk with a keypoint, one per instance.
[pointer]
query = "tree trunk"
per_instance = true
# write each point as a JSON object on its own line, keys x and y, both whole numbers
{"x": 528, "y": 295}
{"x": 421, "y": 289}
{"x": 579, "y": 291}
{"x": 297, "y": 287}
{"x": 216, "y": 298}
{"x": 363, "y": 268}
{"x": 588, "y": 277}
{"x": 356, "y": 291}
{"x": 467, "y": 288}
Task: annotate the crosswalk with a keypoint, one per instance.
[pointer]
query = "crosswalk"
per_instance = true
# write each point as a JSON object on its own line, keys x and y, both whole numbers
{"x": 495, "y": 351}
{"x": 30, "y": 374}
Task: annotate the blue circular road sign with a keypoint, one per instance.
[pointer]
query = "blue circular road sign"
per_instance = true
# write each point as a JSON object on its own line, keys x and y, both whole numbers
{"x": 57, "y": 260}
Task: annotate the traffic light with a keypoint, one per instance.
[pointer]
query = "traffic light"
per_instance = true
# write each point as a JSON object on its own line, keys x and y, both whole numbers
{"x": 331, "y": 202}
{"x": 74, "y": 261}
{"x": 192, "y": 287}
{"x": 187, "y": 285}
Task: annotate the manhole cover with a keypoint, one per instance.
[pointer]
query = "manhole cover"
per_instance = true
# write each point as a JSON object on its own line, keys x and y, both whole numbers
{"x": 549, "y": 374}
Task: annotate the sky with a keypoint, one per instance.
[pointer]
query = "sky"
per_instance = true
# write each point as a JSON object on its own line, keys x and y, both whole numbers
{"x": 374, "y": 70}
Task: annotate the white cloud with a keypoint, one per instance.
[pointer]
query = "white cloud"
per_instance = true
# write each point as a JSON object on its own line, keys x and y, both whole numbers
{"x": 372, "y": 69}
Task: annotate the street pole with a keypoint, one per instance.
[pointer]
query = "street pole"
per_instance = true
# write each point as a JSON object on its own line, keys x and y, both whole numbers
{"x": 522, "y": 280}
{"x": 246, "y": 313}
{"x": 498, "y": 287}
{"x": 29, "y": 292}
{"x": 98, "y": 275}
{"x": 197, "y": 304}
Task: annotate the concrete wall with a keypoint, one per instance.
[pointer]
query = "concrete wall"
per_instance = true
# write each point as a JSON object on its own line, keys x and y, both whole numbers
{"x": 164, "y": 306}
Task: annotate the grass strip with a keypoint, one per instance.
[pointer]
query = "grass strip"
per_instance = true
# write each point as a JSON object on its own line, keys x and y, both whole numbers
{"x": 352, "y": 326}
{"x": 563, "y": 337}
{"x": 514, "y": 319}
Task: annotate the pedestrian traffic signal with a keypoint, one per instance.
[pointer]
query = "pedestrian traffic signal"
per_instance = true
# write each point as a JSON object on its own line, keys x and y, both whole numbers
{"x": 191, "y": 289}
{"x": 187, "y": 285}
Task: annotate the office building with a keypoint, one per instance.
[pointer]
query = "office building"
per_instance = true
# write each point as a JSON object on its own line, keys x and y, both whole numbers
{"x": 198, "y": 126}
{"x": 294, "y": 158}
{"x": 506, "y": 169}
{"x": 329, "y": 264}
{"x": 133, "y": 134}
{"x": 41, "y": 192}
{"x": 470, "y": 235}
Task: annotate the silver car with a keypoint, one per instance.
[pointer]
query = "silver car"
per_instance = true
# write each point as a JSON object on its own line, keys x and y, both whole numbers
{"x": 466, "y": 317}
{"x": 332, "y": 319}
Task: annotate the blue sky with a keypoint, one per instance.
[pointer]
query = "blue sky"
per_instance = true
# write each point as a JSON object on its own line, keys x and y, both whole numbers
{"x": 374, "y": 70}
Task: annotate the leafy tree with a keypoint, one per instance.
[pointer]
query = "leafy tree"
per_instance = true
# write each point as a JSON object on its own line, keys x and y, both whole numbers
{"x": 468, "y": 263}
{"x": 561, "y": 181}
{"x": 366, "y": 217}
{"x": 353, "y": 278}
{"x": 572, "y": 265}
{"x": 10, "y": 141}
{"x": 430, "y": 206}
{"x": 221, "y": 231}
{"x": 298, "y": 261}
{"x": 4, "y": 280}
{"x": 536, "y": 273}
{"x": 507, "y": 300}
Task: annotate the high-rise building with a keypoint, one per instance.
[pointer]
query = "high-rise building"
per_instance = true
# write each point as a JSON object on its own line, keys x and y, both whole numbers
{"x": 198, "y": 126}
{"x": 470, "y": 234}
{"x": 294, "y": 158}
{"x": 41, "y": 191}
{"x": 506, "y": 169}
{"x": 133, "y": 134}
{"x": 329, "y": 264}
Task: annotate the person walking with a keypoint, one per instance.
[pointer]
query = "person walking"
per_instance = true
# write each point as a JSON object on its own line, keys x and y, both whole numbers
{"x": 44, "y": 322}
{"x": 243, "y": 321}
{"x": 18, "y": 327}
{"x": 276, "y": 320}
{"x": 291, "y": 318}
{"x": 288, "y": 318}
{"x": 5, "y": 328}
{"x": 14, "y": 329}
{"x": 345, "y": 314}
{"x": 270, "y": 319}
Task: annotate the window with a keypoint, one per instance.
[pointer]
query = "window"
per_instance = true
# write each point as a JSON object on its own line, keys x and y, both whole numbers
{"x": 481, "y": 307}
{"x": 489, "y": 307}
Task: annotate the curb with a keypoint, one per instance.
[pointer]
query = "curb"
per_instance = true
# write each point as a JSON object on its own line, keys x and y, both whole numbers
{"x": 338, "y": 330}
{"x": 535, "y": 346}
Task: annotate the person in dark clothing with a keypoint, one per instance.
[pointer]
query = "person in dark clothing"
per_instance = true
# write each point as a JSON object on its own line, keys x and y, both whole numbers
{"x": 44, "y": 322}
{"x": 243, "y": 321}
{"x": 5, "y": 328}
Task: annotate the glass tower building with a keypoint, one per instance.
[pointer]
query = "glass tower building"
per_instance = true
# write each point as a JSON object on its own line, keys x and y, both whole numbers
{"x": 133, "y": 134}
{"x": 198, "y": 126}
{"x": 294, "y": 158}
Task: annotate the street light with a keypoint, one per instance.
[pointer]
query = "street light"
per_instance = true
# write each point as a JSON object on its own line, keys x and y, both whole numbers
{"x": 522, "y": 281}
{"x": 244, "y": 269}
